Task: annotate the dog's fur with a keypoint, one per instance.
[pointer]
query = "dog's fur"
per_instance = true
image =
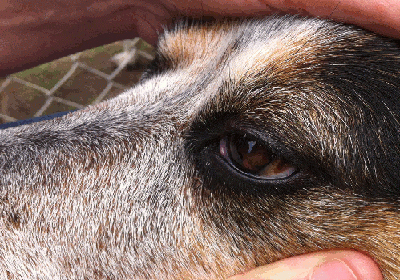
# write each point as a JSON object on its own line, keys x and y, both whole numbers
{"x": 137, "y": 187}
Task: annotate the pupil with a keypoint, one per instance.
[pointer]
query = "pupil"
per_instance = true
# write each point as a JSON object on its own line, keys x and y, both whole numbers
{"x": 248, "y": 154}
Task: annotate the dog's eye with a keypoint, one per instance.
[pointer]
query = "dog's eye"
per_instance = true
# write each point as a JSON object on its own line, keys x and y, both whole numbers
{"x": 252, "y": 157}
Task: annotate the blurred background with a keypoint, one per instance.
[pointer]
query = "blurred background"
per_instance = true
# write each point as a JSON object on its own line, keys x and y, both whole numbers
{"x": 75, "y": 81}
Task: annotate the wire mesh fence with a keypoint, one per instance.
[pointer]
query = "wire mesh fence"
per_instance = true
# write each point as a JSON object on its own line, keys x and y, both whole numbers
{"x": 73, "y": 82}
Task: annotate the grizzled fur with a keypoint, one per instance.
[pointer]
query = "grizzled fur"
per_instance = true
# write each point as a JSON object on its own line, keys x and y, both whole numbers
{"x": 136, "y": 187}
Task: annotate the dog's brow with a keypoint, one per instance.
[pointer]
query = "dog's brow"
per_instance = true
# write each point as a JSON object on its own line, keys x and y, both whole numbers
{"x": 187, "y": 46}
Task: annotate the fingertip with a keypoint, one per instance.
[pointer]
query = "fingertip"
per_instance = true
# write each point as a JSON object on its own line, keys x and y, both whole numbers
{"x": 338, "y": 265}
{"x": 363, "y": 266}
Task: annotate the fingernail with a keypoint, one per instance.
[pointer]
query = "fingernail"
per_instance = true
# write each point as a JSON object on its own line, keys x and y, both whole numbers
{"x": 333, "y": 270}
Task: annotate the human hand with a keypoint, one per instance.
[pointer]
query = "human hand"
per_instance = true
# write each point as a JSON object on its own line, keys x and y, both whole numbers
{"x": 39, "y": 31}
{"x": 328, "y": 265}
{"x": 36, "y": 32}
{"x": 381, "y": 16}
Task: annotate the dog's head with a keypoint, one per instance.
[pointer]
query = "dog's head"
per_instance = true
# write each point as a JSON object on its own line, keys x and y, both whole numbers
{"x": 244, "y": 143}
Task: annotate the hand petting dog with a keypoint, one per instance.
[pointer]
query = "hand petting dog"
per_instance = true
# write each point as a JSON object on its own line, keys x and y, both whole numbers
{"x": 52, "y": 30}
{"x": 34, "y": 33}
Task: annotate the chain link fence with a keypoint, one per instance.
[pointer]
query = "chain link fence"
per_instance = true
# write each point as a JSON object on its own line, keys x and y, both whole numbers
{"x": 75, "y": 81}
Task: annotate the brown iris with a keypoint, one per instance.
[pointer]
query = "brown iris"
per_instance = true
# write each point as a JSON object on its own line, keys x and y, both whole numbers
{"x": 252, "y": 156}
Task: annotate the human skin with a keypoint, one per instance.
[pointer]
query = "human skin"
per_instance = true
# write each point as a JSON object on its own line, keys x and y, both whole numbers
{"x": 328, "y": 265}
{"x": 34, "y": 32}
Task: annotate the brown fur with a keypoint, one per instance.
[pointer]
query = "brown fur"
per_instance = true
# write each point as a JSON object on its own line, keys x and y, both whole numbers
{"x": 136, "y": 188}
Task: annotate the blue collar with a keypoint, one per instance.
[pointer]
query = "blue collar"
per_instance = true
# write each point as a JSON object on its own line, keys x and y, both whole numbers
{"x": 33, "y": 120}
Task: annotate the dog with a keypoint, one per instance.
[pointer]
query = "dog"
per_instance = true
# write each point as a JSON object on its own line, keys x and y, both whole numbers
{"x": 246, "y": 141}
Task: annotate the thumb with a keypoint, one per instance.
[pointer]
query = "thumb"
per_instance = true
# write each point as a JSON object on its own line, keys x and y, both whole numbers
{"x": 328, "y": 265}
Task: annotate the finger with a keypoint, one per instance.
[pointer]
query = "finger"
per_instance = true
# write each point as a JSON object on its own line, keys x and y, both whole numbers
{"x": 381, "y": 16}
{"x": 338, "y": 265}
